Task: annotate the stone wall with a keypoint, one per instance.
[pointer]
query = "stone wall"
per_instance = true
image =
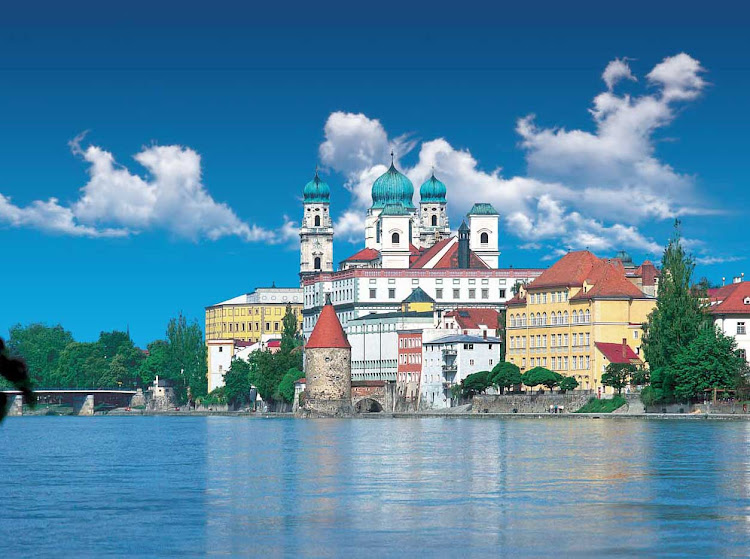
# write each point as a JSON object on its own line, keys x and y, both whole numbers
{"x": 328, "y": 375}
{"x": 527, "y": 403}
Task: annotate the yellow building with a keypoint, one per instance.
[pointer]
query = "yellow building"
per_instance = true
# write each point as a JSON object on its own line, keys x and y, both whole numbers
{"x": 253, "y": 316}
{"x": 581, "y": 314}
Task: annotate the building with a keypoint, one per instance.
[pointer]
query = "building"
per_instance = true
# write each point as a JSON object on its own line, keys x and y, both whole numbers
{"x": 473, "y": 321}
{"x": 448, "y": 360}
{"x": 219, "y": 355}
{"x": 406, "y": 248}
{"x": 328, "y": 368}
{"x": 560, "y": 320}
{"x": 409, "y": 367}
{"x": 730, "y": 308}
{"x": 316, "y": 232}
{"x": 252, "y": 316}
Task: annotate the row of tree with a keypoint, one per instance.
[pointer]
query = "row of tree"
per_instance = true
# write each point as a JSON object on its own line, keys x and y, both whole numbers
{"x": 507, "y": 375}
{"x": 55, "y": 360}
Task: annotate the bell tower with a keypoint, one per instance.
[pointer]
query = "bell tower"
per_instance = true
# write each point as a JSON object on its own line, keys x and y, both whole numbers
{"x": 316, "y": 232}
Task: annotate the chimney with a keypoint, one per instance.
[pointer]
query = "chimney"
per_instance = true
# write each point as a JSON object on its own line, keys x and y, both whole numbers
{"x": 463, "y": 246}
{"x": 624, "y": 348}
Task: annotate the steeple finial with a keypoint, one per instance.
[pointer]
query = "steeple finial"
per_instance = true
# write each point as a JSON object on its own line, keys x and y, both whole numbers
{"x": 391, "y": 156}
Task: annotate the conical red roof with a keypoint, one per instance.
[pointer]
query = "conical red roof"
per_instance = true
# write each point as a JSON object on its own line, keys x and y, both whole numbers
{"x": 328, "y": 332}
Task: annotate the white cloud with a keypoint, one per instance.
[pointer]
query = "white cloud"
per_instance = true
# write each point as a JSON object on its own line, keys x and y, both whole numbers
{"x": 583, "y": 188}
{"x": 116, "y": 202}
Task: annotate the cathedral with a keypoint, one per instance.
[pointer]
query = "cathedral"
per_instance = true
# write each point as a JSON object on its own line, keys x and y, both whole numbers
{"x": 398, "y": 234}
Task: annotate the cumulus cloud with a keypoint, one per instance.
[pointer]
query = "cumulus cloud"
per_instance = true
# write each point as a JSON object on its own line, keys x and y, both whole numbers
{"x": 116, "y": 202}
{"x": 582, "y": 187}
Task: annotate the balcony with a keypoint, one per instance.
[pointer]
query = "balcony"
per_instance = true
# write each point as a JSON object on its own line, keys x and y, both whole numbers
{"x": 450, "y": 368}
{"x": 448, "y": 352}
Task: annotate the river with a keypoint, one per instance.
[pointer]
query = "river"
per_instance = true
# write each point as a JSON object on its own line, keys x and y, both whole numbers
{"x": 437, "y": 487}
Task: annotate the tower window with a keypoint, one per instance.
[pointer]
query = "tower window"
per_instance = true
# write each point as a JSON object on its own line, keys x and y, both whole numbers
{"x": 317, "y": 263}
{"x": 484, "y": 238}
{"x": 317, "y": 221}
{"x": 434, "y": 221}
{"x": 395, "y": 238}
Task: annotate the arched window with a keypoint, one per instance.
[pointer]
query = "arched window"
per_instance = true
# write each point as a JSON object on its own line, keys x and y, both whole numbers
{"x": 544, "y": 319}
{"x": 484, "y": 238}
{"x": 434, "y": 221}
{"x": 317, "y": 263}
{"x": 574, "y": 318}
{"x": 538, "y": 319}
{"x": 394, "y": 238}
{"x": 565, "y": 317}
{"x": 559, "y": 317}
{"x": 588, "y": 316}
{"x": 532, "y": 319}
{"x": 523, "y": 319}
{"x": 512, "y": 320}
{"x": 553, "y": 319}
{"x": 317, "y": 221}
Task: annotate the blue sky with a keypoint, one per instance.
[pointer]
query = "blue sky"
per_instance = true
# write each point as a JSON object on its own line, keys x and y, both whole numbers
{"x": 205, "y": 121}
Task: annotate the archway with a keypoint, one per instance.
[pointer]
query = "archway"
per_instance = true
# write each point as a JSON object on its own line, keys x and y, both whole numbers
{"x": 368, "y": 405}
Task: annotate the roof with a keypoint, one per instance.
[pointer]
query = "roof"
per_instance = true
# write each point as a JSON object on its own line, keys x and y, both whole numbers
{"x": 571, "y": 270}
{"x": 328, "y": 332}
{"x": 734, "y": 302}
{"x": 482, "y": 208}
{"x": 392, "y": 187}
{"x": 430, "y": 253}
{"x": 463, "y": 339}
{"x": 617, "y": 353}
{"x": 609, "y": 281}
{"x": 364, "y": 255}
{"x": 395, "y": 314}
{"x": 473, "y": 319}
{"x": 718, "y": 294}
{"x": 450, "y": 260}
{"x": 517, "y": 299}
{"x": 432, "y": 191}
{"x": 316, "y": 190}
{"x": 418, "y": 295}
{"x": 394, "y": 209}
{"x": 274, "y": 343}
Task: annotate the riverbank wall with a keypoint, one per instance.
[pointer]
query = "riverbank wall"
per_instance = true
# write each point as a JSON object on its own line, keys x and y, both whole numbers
{"x": 527, "y": 403}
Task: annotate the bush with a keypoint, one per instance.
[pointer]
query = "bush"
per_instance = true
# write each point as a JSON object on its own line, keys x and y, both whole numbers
{"x": 595, "y": 405}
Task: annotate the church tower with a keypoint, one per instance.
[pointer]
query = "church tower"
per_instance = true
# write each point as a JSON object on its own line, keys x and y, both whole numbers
{"x": 433, "y": 217}
{"x": 316, "y": 232}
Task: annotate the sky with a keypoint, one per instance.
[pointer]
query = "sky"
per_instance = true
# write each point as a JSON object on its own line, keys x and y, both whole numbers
{"x": 153, "y": 155}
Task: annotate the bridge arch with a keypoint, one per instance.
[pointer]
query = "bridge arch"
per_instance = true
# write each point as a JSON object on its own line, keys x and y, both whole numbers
{"x": 368, "y": 405}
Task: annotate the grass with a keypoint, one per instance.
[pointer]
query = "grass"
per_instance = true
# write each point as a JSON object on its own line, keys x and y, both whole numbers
{"x": 595, "y": 405}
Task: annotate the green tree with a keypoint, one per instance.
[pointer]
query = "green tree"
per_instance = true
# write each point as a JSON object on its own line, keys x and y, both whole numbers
{"x": 568, "y": 383}
{"x": 501, "y": 317}
{"x": 640, "y": 377}
{"x": 289, "y": 333}
{"x": 506, "y": 375}
{"x": 541, "y": 376}
{"x": 81, "y": 365}
{"x": 617, "y": 375}
{"x": 678, "y": 316}
{"x": 710, "y": 361}
{"x": 39, "y": 346}
{"x": 113, "y": 341}
{"x": 237, "y": 383}
{"x": 158, "y": 362}
{"x": 286, "y": 386}
{"x": 476, "y": 383}
{"x": 187, "y": 350}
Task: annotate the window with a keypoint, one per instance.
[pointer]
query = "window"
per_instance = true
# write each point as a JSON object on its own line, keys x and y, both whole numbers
{"x": 373, "y": 293}
{"x": 741, "y": 328}
{"x": 471, "y": 361}
{"x": 394, "y": 238}
{"x": 485, "y": 293}
{"x": 317, "y": 221}
{"x": 276, "y": 326}
{"x": 268, "y": 326}
{"x": 316, "y": 265}
{"x": 434, "y": 221}
{"x": 635, "y": 334}
{"x": 391, "y": 293}
{"x": 588, "y": 316}
{"x": 456, "y": 293}
{"x": 438, "y": 294}
{"x": 502, "y": 293}
{"x": 484, "y": 238}
{"x": 472, "y": 293}
{"x": 544, "y": 297}
{"x": 742, "y": 353}
{"x": 220, "y": 350}
{"x": 490, "y": 361}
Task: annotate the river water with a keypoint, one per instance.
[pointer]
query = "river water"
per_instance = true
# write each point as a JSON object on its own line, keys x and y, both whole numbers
{"x": 437, "y": 487}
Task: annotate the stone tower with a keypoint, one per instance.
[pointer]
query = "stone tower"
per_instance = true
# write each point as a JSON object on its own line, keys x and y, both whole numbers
{"x": 328, "y": 368}
{"x": 316, "y": 233}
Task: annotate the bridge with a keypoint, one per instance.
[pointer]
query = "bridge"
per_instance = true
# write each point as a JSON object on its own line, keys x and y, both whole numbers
{"x": 83, "y": 401}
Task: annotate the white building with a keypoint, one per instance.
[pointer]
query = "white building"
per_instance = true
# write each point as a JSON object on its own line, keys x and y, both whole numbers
{"x": 221, "y": 353}
{"x": 405, "y": 248}
{"x": 448, "y": 360}
{"x": 730, "y": 308}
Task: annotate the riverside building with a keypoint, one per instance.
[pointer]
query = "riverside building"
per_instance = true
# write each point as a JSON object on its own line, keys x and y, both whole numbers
{"x": 406, "y": 247}
{"x": 580, "y": 314}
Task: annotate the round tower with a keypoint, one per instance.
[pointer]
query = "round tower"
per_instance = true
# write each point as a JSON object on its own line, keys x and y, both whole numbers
{"x": 328, "y": 368}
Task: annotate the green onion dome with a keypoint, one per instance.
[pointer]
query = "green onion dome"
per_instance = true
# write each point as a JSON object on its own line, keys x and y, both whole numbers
{"x": 316, "y": 190}
{"x": 432, "y": 191}
{"x": 392, "y": 187}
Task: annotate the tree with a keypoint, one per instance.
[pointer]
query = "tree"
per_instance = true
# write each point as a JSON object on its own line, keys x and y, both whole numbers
{"x": 81, "y": 365}
{"x": 286, "y": 386}
{"x": 289, "y": 334}
{"x": 676, "y": 320}
{"x": 506, "y": 375}
{"x": 237, "y": 383}
{"x": 187, "y": 350}
{"x": 476, "y": 383}
{"x": 640, "y": 377}
{"x": 617, "y": 375}
{"x": 710, "y": 361}
{"x": 568, "y": 383}
{"x": 112, "y": 342}
{"x": 541, "y": 376}
{"x": 157, "y": 362}
{"x": 501, "y": 333}
{"x": 39, "y": 346}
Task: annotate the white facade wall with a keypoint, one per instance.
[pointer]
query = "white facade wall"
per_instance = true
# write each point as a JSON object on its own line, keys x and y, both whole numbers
{"x": 737, "y": 326}
{"x": 219, "y": 360}
{"x": 470, "y": 357}
{"x": 489, "y": 251}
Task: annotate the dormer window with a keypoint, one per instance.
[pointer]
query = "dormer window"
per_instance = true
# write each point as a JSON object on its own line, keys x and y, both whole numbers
{"x": 746, "y": 300}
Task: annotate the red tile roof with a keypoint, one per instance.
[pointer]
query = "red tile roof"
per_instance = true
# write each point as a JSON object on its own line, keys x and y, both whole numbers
{"x": 328, "y": 332}
{"x": 473, "y": 318}
{"x": 450, "y": 260}
{"x": 571, "y": 270}
{"x": 718, "y": 294}
{"x": 274, "y": 343}
{"x": 430, "y": 253}
{"x": 364, "y": 255}
{"x": 609, "y": 280}
{"x": 516, "y": 300}
{"x": 617, "y": 353}
{"x": 647, "y": 272}
{"x": 734, "y": 301}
